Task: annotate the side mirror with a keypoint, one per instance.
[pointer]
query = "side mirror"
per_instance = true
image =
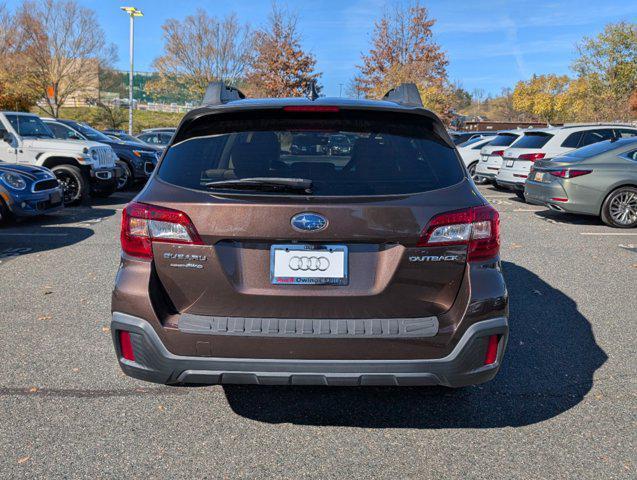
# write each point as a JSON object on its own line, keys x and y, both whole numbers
{"x": 8, "y": 137}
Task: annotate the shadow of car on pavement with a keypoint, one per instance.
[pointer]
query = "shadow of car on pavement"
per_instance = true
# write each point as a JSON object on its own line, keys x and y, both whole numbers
{"x": 548, "y": 369}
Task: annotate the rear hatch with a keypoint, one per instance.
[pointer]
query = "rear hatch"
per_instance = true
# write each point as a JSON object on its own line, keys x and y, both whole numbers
{"x": 491, "y": 153}
{"x": 266, "y": 213}
{"x": 517, "y": 160}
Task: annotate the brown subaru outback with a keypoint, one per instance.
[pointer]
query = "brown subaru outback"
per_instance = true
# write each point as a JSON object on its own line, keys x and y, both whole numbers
{"x": 258, "y": 254}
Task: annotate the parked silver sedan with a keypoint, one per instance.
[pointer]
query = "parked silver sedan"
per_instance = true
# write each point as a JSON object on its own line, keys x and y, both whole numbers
{"x": 600, "y": 180}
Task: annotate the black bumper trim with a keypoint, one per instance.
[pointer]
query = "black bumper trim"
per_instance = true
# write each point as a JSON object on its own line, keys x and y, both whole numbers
{"x": 297, "y": 327}
{"x": 463, "y": 366}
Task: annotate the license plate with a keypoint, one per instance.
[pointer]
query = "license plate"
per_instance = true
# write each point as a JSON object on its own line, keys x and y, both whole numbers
{"x": 539, "y": 176}
{"x": 510, "y": 163}
{"x": 308, "y": 265}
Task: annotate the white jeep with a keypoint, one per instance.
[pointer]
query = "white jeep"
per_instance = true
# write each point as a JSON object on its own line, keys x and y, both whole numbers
{"x": 82, "y": 167}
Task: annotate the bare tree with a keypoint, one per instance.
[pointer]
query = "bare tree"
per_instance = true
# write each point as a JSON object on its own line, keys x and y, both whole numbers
{"x": 65, "y": 48}
{"x": 280, "y": 68}
{"x": 201, "y": 49}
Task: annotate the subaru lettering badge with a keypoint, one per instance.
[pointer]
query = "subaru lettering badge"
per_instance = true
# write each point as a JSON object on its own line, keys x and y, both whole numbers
{"x": 308, "y": 222}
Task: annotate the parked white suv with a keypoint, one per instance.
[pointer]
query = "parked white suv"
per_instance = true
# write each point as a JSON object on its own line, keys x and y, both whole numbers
{"x": 81, "y": 166}
{"x": 491, "y": 154}
{"x": 548, "y": 143}
{"x": 470, "y": 153}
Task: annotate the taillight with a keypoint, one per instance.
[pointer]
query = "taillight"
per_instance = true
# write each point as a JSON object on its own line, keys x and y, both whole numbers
{"x": 568, "y": 173}
{"x": 497, "y": 153}
{"x": 477, "y": 227}
{"x": 532, "y": 156}
{"x": 143, "y": 224}
{"x": 126, "y": 345}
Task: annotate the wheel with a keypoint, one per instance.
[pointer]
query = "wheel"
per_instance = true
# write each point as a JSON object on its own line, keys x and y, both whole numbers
{"x": 620, "y": 208}
{"x": 125, "y": 181}
{"x": 478, "y": 180}
{"x": 5, "y": 214}
{"x": 520, "y": 195}
{"x": 74, "y": 185}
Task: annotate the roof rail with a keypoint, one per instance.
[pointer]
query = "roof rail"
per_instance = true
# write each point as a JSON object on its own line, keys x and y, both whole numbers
{"x": 597, "y": 124}
{"x": 219, "y": 93}
{"x": 406, "y": 94}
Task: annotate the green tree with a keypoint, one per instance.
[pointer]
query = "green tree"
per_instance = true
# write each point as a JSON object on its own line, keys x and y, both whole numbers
{"x": 543, "y": 97}
{"x": 608, "y": 63}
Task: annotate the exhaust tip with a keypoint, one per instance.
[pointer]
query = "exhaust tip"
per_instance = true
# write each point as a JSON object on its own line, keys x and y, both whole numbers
{"x": 555, "y": 208}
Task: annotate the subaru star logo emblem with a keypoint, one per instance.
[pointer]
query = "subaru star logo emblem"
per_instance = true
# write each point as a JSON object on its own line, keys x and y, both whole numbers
{"x": 308, "y": 222}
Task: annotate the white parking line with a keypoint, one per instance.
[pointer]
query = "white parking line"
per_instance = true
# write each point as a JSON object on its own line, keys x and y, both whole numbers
{"x": 525, "y": 210}
{"x": 608, "y": 234}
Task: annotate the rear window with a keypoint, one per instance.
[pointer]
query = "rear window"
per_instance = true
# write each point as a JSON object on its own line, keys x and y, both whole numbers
{"x": 503, "y": 140}
{"x": 385, "y": 156}
{"x": 594, "y": 149}
{"x": 533, "y": 140}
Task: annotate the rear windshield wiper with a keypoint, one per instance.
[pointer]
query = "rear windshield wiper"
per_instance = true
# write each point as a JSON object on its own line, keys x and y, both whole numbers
{"x": 267, "y": 184}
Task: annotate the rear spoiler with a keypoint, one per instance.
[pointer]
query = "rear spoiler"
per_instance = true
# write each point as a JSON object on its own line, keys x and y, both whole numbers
{"x": 405, "y": 94}
{"x": 219, "y": 93}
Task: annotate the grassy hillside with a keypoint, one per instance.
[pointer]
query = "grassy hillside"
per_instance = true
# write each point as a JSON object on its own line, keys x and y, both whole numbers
{"x": 141, "y": 118}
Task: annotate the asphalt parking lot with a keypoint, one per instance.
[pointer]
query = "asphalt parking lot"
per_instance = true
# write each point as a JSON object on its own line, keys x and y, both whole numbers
{"x": 563, "y": 406}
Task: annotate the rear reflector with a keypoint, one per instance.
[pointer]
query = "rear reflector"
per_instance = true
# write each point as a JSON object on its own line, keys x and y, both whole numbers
{"x": 559, "y": 199}
{"x": 126, "y": 345}
{"x": 310, "y": 108}
{"x": 532, "y": 156}
{"x": 492, "y": 350}
{"x": 568, "y": 173}
{"x": 477, "y": 227}
{"x": 144, "y": 224}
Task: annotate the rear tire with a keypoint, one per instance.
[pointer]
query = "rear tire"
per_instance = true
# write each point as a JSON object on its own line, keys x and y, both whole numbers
{"x": 478, "y": 180}
{"x": 619, "y": 210}
{"x": 520, "y": 195}
{"x": 74, "y": 185}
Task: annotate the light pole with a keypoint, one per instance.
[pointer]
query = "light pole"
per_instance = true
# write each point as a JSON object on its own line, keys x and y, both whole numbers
{"x": 132, "y": 13}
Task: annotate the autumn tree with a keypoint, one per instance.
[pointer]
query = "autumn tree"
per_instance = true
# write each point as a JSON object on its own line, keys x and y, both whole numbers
{"x": 199, "y": 50}
{"x": 403, "y": 50}
{"x": 14, "y": 93}
{"x": 608, "y": 63}
{"x": 280, "y": 67}
{"x": 543, "y": 97}
{"x": 65, "y": 48}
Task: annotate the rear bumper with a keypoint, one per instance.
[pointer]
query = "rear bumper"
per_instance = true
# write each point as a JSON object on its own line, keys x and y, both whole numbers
{"x": 511, "y": 185}
{"x": 463, "y": 366}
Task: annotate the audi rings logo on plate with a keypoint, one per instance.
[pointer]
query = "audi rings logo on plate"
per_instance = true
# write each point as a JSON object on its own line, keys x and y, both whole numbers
{"x": 311, "y": 263}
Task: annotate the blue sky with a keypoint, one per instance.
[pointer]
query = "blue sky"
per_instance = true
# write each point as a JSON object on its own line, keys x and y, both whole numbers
{"x": 490, "y": 44}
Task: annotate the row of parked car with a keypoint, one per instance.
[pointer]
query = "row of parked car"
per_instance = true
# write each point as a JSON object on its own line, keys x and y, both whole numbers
{"x": 582, "y": 169}
{"x": 46, "y": 163}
